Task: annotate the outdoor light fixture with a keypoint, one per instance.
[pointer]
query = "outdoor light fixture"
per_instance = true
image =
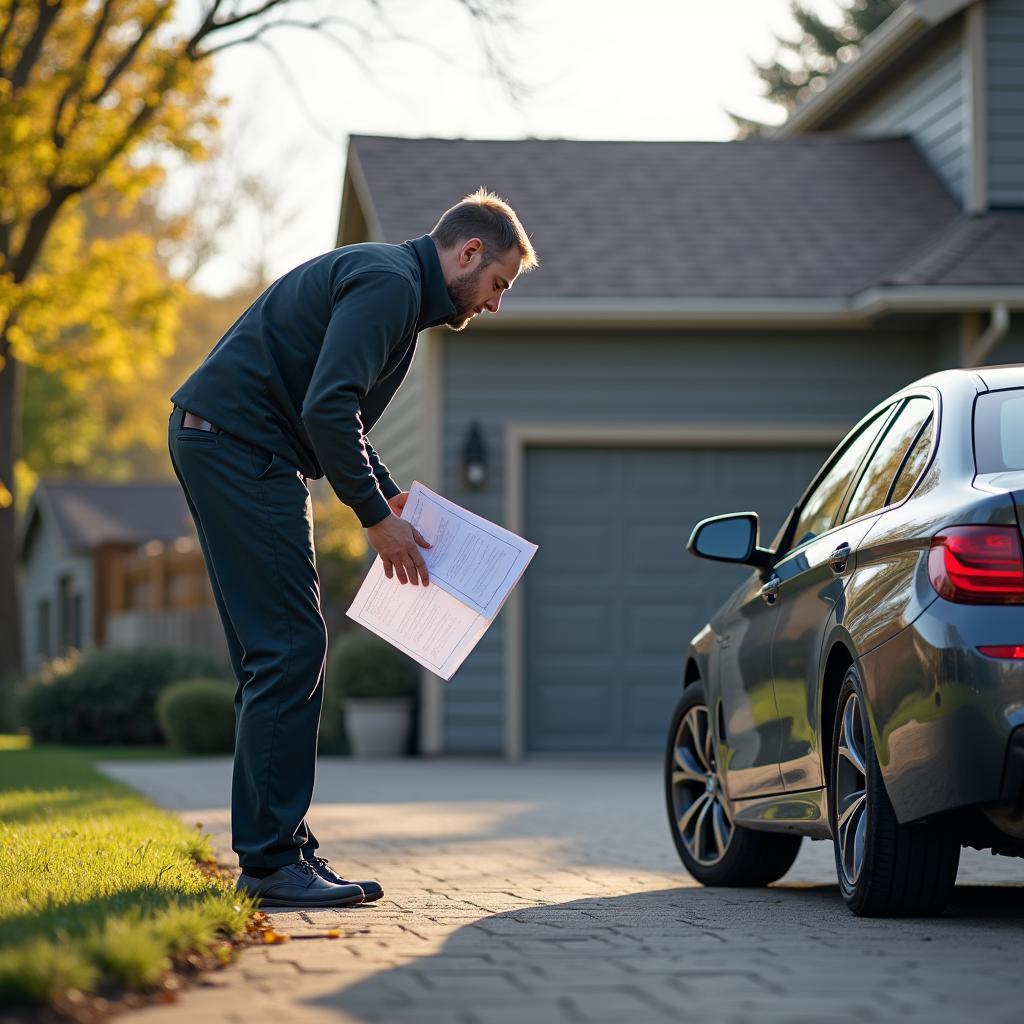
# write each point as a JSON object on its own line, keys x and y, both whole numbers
{"x": 474, "y": 459}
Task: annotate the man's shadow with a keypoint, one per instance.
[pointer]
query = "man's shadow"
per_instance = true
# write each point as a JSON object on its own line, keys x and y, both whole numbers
{"x": 644, "y": 956}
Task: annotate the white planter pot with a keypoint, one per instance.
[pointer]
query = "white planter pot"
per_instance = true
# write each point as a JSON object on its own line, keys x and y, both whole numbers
{"x": 376, "y": 727}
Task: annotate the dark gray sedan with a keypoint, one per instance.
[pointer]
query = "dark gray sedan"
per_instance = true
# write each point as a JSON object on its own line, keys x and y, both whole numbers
{"x": 865, "y": 683}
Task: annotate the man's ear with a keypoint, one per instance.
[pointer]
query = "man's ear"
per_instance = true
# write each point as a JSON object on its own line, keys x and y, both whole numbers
{"x": 470, "y": 248}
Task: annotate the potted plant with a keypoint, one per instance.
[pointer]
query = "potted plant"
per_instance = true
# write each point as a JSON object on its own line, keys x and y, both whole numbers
{"x": 375, "y": 687}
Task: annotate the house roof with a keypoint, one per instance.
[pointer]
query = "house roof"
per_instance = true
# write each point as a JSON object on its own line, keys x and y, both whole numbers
{"x": 811, "y": 217}
{"x": 87, "y": 513}
{"x": 879, "y": 54}
{"x": 970, "y": 250}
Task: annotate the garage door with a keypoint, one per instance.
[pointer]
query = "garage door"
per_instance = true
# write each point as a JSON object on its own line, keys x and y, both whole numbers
{"x": 612, "y": 598}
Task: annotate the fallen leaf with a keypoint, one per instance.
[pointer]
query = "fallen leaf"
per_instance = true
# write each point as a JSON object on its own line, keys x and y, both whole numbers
{"x": 334, "y": 933}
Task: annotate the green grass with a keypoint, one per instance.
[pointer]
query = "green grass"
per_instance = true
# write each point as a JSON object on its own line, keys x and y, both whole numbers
{"x": 99, "y": 890}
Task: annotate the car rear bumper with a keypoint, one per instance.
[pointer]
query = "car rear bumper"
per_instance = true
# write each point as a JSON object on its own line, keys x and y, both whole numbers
{"x": 948, "y": 721}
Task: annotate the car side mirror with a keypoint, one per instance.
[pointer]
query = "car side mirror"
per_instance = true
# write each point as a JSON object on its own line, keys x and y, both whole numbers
{"x": 732, "y": 538}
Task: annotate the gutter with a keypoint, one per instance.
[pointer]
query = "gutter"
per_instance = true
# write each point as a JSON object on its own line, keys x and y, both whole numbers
{"x": 857, "y": 312}
{"x": 909, "y": 23}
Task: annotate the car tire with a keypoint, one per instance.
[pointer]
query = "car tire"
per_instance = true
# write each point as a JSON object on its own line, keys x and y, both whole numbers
{"x": 885, "y": 869}
{"x": 698, "y": 811}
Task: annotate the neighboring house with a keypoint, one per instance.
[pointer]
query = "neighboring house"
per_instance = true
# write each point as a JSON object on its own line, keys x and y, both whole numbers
{"x": 111, "y": 563}
{"x": 708, "y": 319}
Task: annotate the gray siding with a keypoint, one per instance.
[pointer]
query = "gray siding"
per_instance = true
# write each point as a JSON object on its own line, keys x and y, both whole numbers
{"x": 47, "y": 562}
{"x": 1004, "y": 39}
{"x": 398, "y": 437}
{"x": 926, "y": 102}
{"x": 685, "y": 378}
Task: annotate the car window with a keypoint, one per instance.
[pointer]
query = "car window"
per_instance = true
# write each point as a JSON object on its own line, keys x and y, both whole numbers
{"x": 999, "y": 431}
{"x": 914, "y": 464}
{"x": 823, "y": 502}
{"x": 873, "y": 486}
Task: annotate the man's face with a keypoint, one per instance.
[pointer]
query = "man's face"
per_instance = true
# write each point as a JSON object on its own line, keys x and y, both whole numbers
{"x": 477, "y": 287}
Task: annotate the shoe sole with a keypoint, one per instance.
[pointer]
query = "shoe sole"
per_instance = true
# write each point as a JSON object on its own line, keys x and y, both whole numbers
{"x": 374, "y": 897}
{"x": 273, "y": 901}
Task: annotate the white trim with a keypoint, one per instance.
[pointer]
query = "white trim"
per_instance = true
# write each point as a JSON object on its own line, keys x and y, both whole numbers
{"x": 363, "y": 194}
{"x": 431, "y": 686}
{"x": 893, "y": 37}
{"x": 975, "y": 109}
{"x": 521, "y": 436}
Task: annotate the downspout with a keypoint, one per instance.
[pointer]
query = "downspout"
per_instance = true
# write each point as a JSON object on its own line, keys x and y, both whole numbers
{"x": 986, "y": 342}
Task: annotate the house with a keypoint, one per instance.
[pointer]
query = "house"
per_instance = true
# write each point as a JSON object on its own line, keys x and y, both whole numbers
{"x": 111, "y": 563}
{"x": 708, "y": 320}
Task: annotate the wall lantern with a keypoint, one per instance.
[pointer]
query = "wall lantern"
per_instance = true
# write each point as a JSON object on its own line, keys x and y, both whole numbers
{"x": 474, "y": 459}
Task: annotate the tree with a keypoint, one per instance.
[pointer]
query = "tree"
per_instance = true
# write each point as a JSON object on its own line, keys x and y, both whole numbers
{"x": 92, "y": 92}
{"x": 802, "y": 64}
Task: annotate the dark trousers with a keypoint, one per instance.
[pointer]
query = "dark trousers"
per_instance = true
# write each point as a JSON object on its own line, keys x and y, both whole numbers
{"x": 255, "y": 523}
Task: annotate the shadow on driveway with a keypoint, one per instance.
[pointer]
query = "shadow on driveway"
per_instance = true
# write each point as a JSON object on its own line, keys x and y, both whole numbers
{"x": 786, "y": 953}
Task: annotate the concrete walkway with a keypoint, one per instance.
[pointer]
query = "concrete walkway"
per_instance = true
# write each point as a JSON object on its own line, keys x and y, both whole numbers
{"x": 550, "y": 893}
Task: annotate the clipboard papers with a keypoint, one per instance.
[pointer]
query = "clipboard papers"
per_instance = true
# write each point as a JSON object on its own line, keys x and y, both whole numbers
{"x": 473, "y": 564}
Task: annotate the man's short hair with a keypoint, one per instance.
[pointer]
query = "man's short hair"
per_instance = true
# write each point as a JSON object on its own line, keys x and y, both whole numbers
{"x": 484, "y": 215}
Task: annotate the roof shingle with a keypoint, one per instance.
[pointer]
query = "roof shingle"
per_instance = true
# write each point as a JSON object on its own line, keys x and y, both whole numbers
{"x": 816, "y": 216}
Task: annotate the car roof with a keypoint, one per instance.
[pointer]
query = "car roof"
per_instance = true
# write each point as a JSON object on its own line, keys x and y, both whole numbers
{"x": 982, "y": 378}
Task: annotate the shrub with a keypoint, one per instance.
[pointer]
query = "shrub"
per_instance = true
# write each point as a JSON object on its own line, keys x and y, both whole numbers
{"x": 360, "y": 664}
{"x": 108, "y": 695}
{"x": 198, "y": 715}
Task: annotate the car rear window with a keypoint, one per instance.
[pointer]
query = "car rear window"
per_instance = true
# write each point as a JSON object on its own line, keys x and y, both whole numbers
{"x": 999, "y": 431}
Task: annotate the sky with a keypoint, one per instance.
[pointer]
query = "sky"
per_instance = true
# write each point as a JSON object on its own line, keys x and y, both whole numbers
{"x": 594, "y": 69}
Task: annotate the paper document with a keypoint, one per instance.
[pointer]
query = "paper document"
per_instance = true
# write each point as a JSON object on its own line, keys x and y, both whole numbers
{"x": 473, "y": 566}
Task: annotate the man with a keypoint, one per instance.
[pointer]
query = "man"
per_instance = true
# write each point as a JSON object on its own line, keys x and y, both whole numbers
{"x": 288, "y": 394}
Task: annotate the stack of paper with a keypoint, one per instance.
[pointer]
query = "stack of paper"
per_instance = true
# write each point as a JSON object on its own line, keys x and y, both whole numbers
{"x": 473, "y": 566}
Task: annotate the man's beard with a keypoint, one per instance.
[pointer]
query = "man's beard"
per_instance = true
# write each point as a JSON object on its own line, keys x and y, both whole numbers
{"x": 462, "y": 293}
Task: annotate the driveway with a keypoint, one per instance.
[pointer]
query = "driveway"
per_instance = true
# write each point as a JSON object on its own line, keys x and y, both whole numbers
{"x": 548, "y": 892}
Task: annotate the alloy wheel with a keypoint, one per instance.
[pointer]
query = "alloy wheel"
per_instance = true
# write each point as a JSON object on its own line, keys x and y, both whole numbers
{"x": 701, "y": 814}
{"x": 851, "y": 799}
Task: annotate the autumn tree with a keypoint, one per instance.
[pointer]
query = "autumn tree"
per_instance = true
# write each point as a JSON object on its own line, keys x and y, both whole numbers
{"x": 92, "y": 92}
{"x": 804, "y": 60}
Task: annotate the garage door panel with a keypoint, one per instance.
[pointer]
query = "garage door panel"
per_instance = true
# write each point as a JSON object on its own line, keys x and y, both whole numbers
{"x": 652, "y": 628}
{"x": 573, "y": 628}
{"x": 612, "y": 597}
{"x": 575, "y": 547}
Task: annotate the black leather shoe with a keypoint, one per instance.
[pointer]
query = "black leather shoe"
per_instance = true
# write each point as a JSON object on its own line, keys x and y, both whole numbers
{"x": 299, "y": 885}
{"x": 371, "y": 890}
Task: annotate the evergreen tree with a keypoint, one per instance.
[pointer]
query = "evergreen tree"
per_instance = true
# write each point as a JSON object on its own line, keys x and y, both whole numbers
{"x": 802, "y": 64}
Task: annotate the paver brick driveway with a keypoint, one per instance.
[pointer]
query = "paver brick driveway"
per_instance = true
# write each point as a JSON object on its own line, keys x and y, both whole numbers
{"x": 550, "y": 892}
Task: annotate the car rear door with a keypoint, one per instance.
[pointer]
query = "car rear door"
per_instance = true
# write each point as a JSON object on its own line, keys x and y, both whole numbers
{"x": 814, "y": 574}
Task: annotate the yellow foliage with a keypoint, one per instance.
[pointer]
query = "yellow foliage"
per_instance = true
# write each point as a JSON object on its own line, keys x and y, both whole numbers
{"x": 105, "y": 307}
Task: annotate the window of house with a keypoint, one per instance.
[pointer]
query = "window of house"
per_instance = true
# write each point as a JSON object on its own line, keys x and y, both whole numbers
{"x": 43, "y": 647}
{"x": 70, "y": 615}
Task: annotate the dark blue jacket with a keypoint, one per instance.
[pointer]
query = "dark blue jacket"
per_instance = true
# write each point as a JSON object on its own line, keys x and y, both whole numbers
{"x": 309, "y": 367}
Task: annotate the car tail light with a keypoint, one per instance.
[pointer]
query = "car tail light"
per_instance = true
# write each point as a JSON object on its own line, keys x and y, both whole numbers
{"x": 978, "y": 565}
{"x": 1015, "y": 651}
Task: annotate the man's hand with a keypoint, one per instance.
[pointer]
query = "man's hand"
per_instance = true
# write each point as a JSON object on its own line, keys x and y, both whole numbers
{"x": 397, "y": 503}
{"x": 396, "y": 542}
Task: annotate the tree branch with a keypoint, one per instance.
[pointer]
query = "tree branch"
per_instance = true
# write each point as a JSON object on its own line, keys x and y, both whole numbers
{"x": 75, "y": 84}
{"x": 47, "y": 16}
{"x": 12, "y": 15}
{"x": 129, "y": 55}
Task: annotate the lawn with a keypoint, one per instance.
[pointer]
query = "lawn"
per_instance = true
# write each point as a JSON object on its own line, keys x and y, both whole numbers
{"x": 100, "y": 891}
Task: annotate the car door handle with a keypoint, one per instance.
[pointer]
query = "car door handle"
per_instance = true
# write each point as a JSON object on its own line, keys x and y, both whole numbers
{"x": 838, "y": 559}
{"x": 770, "y": 591}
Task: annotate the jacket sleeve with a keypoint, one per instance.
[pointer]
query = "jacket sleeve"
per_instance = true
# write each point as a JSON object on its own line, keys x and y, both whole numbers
{"x": 372, "y": 313}
{"x": 387, "y": 485}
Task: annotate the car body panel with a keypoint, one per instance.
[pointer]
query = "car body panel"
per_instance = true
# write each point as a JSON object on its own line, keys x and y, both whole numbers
{"x": 940, "y": 712}
{"x": 741, "y": 679}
